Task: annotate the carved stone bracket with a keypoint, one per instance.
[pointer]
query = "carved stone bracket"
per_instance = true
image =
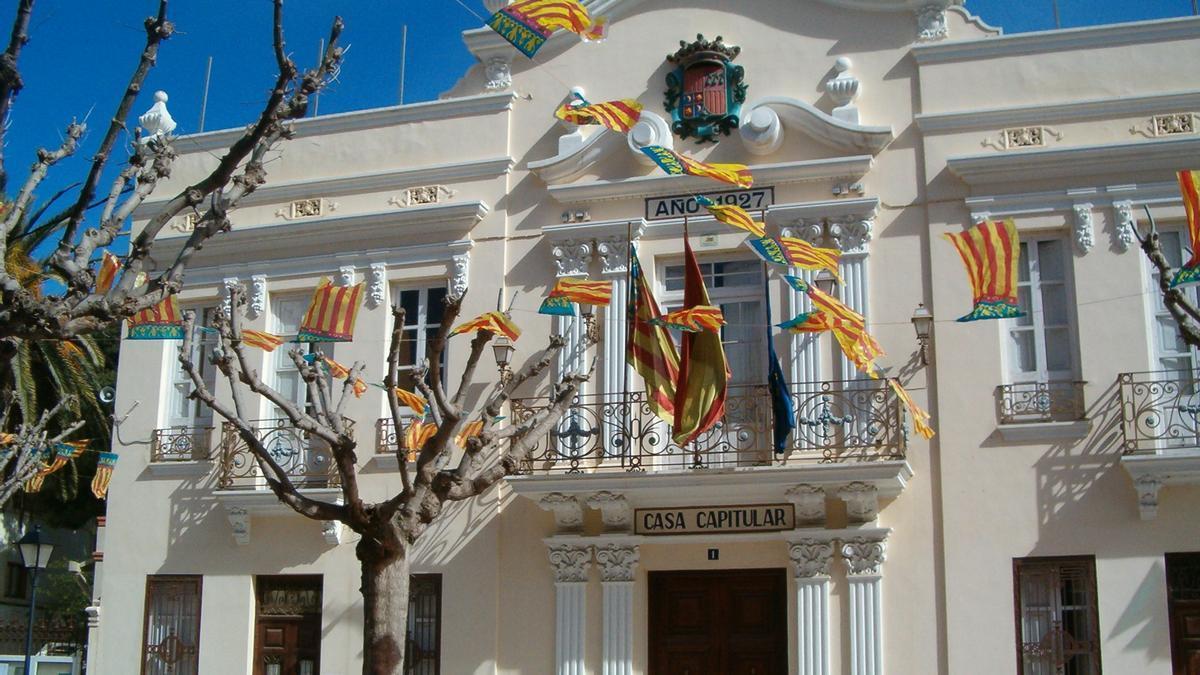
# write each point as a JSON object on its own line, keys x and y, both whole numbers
{"x": 376, "y": 285}
{"x": 256, "y": 304}
{"x": 1085, "y": 236}
{"x": 227, "y": 285}
{"x": 460, "y": 273}
{"x": 571, "y": 257}
{"x": 614, "y": 511}
{"x": 811, "y": 558}
{"x": 863, "y": 557}
{"x": 570, "y": 562}
{"x": 239, "y": 521}
{"x": 332, "y": 532}
{"x": 568, "y": 512}
{"x": 617, "y": 562}
{"x": 614, "y": 255}
{"x": 498, "y": 71}
{"x": 1147, "y": 489}
{"x": 345, "y": 275}
{"x": 931, "y": 23}
{"x": 1126, "y": 225}
{"x": 810, "y": 503}
{"x": 862, "y": 501}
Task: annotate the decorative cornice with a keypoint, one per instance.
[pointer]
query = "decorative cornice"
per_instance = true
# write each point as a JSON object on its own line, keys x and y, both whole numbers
{"x": 1064, "y": 201}
{"x": 863, "y": 557}
{"x": 1057, "y": 113}
{"x": 822, "y": 127}
{"x": 811, "y": 558}
{"x": 617, "y": 562}
{"x": 1141, "y": 157}
{"x": 570, "y": 562}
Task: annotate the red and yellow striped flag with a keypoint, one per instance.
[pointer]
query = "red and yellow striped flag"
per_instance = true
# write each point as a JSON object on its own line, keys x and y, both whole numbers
{"x": 1189, "y": 186}
{"x": 703, "y": 369}
{"x": 649, "y": 347}
{"x": 470, "y": 430}
{"x": 267, "y": 342}
{"x": 849, "y": 329}
{"x": 418, "y": 434}
{"x": 804, "y": 255}
{"x": 528, "y": 23}
{"x": 65, "y": 452}
{"x": 815, "y": 321}
{"x": 498, "y": 323}
{"x": 160, "y": 322}
{"x": 336, "y": 370}
{"x": 414, "y": 402}
{"x": 920, "y": 418}
{"x": 104, "y": 471}
{"x": 695, "y": 319}
{"x": 734, "y": 216}
{"x": 990, "y": 252}
{"x": 734, "y": 174}
{"x": 107, "y": 274}
{"x": 331, "y": 314}
{"x": 583, "y": 291}
{"x": 619, "y": 116}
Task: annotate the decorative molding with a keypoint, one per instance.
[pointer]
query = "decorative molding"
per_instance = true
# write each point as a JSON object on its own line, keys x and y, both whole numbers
{"x": 239, "y": 521}
{"x": 227, "y": 285}
{"x": 862, "y": 501}
{"x": 842, "y": 131}
{"x": 570, "y": 562}
{"x": 615, "y": 511}
{"x": 1057, "y": 113}
{"x": 863, "y": 557}
{"x": 1085, "y": 236}
{"x": 1015, "y": 138}
{"x": 1077, "y": 162}
{"x": 256, "y": 303}
{"x": 1170, "y": 124}
{"x": 571, "y": 257}
{"x": 186, "y": 223}
{"x": 809, "y": 501}
{"x": 811, "y": 558}
{"x": 614, "y": 255}
{"x": 332, "y": 532}
{"x": 617, "y": 562}
{"x": 306, "y": 208}
{"x": 498, "y": 71}
{"x": 568, "y": 512}
{"x": 931, "y": 23}
{"x": 460, "y": 273}
{"x": 1147, "y": 491}
{"x": 345, "y": 276}
{"x": 1125, "y": 226}
{"x": 421, "y": 196}
{"x": 377, "y": 284}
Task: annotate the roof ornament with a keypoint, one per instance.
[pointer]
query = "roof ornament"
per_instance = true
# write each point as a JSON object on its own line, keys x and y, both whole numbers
{"x": 157, "y": 121}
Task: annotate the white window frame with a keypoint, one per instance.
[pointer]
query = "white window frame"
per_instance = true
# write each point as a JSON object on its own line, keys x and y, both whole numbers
{"x": 1156, "y": 309}
{"x": 280, "y": 361}
{"x": 1038, "y": 326}
{"x": 201, "y": 416}
{"x": 421, "y": 326}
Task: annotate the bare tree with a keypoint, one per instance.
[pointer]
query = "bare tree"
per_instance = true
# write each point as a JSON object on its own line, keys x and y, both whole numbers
{"x": 443, "y": 470}
{"x": 27, "y": 310}
{"x": 1176, "y": 301}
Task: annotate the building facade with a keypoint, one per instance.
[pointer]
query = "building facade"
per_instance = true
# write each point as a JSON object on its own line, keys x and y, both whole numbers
{"x": 1048, "y": 527}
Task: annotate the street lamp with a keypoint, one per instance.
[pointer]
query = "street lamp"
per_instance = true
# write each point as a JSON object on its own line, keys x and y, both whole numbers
{"x": 35, "y": 553}
{"x": 922, "y": 320}
{"x": 503, "y": 349}
{"x": 825, "y": 281}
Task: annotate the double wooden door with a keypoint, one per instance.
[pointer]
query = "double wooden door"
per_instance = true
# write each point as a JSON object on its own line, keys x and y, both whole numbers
{"x": 727, "y": 622}
{"x": 1183, "y": 603}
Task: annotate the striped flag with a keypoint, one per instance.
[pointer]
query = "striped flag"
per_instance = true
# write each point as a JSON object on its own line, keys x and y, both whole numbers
{"x": 990, "y": 252}
{"x": 557, "y": 306}
{"x": 160, "y": 322}
{"x": 649, "y": 348}
{"x": 414, "y": 402}
{"x": 267, "y": 342}
{"x": 107, "y": 274}
{"x": 804, "y": 255}
{"x": 104, "y": 470}
{"x": 418, "y": 434}
{"x": 331, "y": 314}
{"x": 703, "y": 369}
{"x": 808, "y": 322}
{"x": 528, "y": 23}
{"x": 849, "y": 329}
{"x": 1189, "y": 186}
{"x": 676, "y": 164}
{"x": 619, "y": 115}
{"x": 471, "y": 430}
{"x": 336, "y": 370}
{"x": 583, "y": 291}
{"x": 920, "y": 418}
{"x": 694, "y": 319}
{"x": 63, "y": 453}
{"x": 498, "y": 323}
{"x": 733, "y": 215}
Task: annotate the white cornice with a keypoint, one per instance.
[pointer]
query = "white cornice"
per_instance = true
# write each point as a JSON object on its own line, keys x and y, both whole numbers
{"x": 569, "y": 166}
{"x": 784, "y": 214}
{"x": 1103, "y": 108}
{"x": 466, "y": 106}
{"x": 598, "y": 229}
{"x": 1090, "y": 37}
{"x": 1063, "y": 201}
{"x": 841, "y": 168}
{"x": 1077, "y": 162}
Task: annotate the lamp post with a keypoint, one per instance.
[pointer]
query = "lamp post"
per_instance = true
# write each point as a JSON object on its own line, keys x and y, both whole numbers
{"x": 922, "y": 320}
{"x": 35, "y": 553}
{"x": 503, "y": 349}
{"x": 825, "y": 281}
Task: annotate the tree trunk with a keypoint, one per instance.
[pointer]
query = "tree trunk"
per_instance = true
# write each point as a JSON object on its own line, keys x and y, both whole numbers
{"x": 385, "y": 607}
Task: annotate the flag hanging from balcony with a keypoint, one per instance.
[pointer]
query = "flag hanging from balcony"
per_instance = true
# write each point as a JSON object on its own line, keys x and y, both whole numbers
{"x": 265, "y": 341}
{"x": 920, "y": 418}
{"x": 676, "y": 164}
{"x": 693, "y": 319}
{"x": 703, "y": 370}
{"x": 498, "y": 323}
{"x": 804, "y": 255}
{"x": 583, "y": 291}
{"x": 109, "y": 266}
{"x": 769, "y": 250}
{"x": 1189, "y": 185}
{"x": 990, "y": 252}
{"x": 649, "y": 347}
{"x": 527, "y": 24}
{"x": 781, "y": 399}
{"x": 104, "y": 470}
{"x": 733, "y": 215}
{"x": 331, "y": 314}
{"x": 160, "y": 322}
{"x": 618, "y": 116}
{"x": 557, "y": 306}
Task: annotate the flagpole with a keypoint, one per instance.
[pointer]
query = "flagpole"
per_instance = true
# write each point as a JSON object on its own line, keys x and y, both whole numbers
{"x": 685, "y": 338}
{"x": 627, "y": 431}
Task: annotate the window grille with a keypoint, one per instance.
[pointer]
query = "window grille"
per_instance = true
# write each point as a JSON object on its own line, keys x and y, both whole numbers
{"x": 171, "y": 639}
{"x": 422, "y": 654}
{"x": 1056, "y": 616}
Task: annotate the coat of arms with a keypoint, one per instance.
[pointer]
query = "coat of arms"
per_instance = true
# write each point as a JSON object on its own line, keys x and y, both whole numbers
{"x": 705, "y": 92}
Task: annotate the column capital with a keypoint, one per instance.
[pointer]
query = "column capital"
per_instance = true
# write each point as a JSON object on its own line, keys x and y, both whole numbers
{"x": 617, "y": 562}
{"x": 864, "y": 557}
{"x": 571, "y": 562}
{"x": 571, "y": 256}
{"x": 811, "y": 558}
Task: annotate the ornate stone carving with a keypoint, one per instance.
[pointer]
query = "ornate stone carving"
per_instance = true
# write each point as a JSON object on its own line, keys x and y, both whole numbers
{"x": 157, "y": 121}
{"x": 423, "y": 195}
{"x": 570, "y": 562}
{"x": 571, "y": 257}
{"x": 811, "y": 558}
{"x": 852, "y": 234}
{"x": 376, "y": 284}
{"x": 1085, "y": 236}
{"x": 345, "y": 275}
{"x": 498, "y": 71}
{"x": 617, "y": 562}
{"x": 460, "y": 273}
{"x": 256, "y": 303}
{"x": 568, "y": 512}
{"x": 614, "y": 511}
{"x": 1125, "y": 226}
{"x": 1022, "y": 137}
{"x": 185, "y": 223}
{"x": 239, "y": 521}
{"x": 614, "y": 255}
{"x": 843, "y": 88}
{"x": 1171, "y": 124}
{"x": 306, "y": 208}
{"x": 1147, "y": 490}
{"x": 332, "y": 531}
{"x": 227, "y": 285}
{"x": 808, "y": 229}
{"x": 931, "y": 23}
{"x": 810, "y": 503}
{"x": 862, "y": 501}
{"x": 863, "y": 556}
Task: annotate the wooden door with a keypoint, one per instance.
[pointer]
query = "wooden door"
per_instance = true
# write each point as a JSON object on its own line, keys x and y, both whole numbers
{"x": 728, "y": 622}
{"x": 1183, "y": 604}
{"x": 287, "y": 627}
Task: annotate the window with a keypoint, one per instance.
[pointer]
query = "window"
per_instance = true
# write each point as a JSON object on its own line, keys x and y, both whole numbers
{"x": 736, "y": 287}
{"x": 1057, "y": 622}
{"x": 423, "y": 308}
{"x": 16, "y": 581}
{"x": 1040, "y": 343}
{"x": 186, "y": 412}
{"x": 422, "y": 654}
{"x": 286, "y": 314}
{"x": 171, "y": 639}
{"x": 1170, "y": 352}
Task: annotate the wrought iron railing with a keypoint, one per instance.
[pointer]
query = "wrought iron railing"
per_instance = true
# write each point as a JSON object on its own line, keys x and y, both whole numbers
{"x": 385, "y": 439}
{"x": 306, "y": 459}
{"x": 180, "y": 444}
{"x": 58, "y": 633}
{"x": 1160, "y": 411}
{"x": 1040, "y": 402}
{"x": 859, "y": 420}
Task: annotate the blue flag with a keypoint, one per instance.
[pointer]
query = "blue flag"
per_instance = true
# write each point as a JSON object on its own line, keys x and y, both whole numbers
{"x": 768, "y": 249}
{"x": 781, "y": 400}
{"x": 557, "y": 306}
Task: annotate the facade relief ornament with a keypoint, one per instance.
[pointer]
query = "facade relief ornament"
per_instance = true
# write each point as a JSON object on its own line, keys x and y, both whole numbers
{"x": 852, "y": 234}
{"x": 614, "y": 255}
{"x": 306, "y": 208}
{"x": 931, "y": 23}
{"x": 568, "y": 512}
{"x": 863, "y": 557}
{"x": 1016, "y": 138}
{"x": 615, "y": 511}
{"x": 1126, "y": 225}
{"x": 571, "y": 257}
{"x": 460, "y": 273}
{"x": 810, "y": 503}
{"x": 227, "y": 285}
{"x": 1172, "y": 124}
{"x": 843, "y": 88}
{"x": 256, "y": 304}
{"x": 705, "y": 92}
{"x": 376, "y": 284}
{"x": 423, "y": 195}
{"x": 811, "y": 558}
{"x": 239, "y": 521}
{"x": 617, "y": 562}
{"x": 1085, "y": 236}
{"x": 345, "y": 275}
{"x": 862, "y": 501}
{"x": 811, "y": 230}
{"x": 570, "y": 562}
{"x": 498, "y": 71}
{"x": 1147, "y": 491}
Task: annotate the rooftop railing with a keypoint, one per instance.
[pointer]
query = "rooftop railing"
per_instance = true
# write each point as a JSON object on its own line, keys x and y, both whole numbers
{"x": 1032, "y": 402}
{"x": 1160, "y": 411}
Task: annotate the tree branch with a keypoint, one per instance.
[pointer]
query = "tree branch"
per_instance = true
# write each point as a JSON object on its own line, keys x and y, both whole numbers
{"x": 10, "y": 76}
{"x": 391, "y": 380}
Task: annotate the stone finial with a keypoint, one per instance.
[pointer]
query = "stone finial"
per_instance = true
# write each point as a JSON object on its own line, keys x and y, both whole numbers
{"x": 844, "y": 88}
{"x": 157, "y": 121}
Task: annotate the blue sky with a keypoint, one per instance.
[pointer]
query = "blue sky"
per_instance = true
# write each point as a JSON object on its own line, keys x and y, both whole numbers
{"x": 81, "y": 55}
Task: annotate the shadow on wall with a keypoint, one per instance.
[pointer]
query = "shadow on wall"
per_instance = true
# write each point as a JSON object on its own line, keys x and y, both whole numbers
{"x": 1138, "y": 618}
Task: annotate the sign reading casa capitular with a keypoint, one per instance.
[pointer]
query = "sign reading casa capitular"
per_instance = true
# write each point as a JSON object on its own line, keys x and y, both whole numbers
{"x": 715, "y": 519}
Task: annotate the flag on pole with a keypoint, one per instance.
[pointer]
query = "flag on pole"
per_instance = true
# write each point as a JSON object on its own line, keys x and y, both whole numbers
{"x": 649, "y": 348}
{"x": 703, "y": 370}
{"x": 1189, "y": 186}
{"x": 109, "y": 266}
{"x": 331, "y": 314}
{"x": 804, "y": 255}
{"x": 527, "y": 24}
{"x": 768, "y": 250}
{"x": 693, "y": 319}
{"x": 733, "y": 215}
{"x": 990, "y": 252}
{"x": 267, "y": 342}
{"x": 618, "y": 116}
{"x": 160, "y": 322}
{"x": 781, "y": 399}
{"x": 676, "y": 164}
{"x": 583, "y": 291}
{"x": 498, "y": 323}
{"x": 919, "y": 416}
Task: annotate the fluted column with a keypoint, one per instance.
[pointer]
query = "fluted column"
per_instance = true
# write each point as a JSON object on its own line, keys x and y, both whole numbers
{"x": 811, "y": 560}
{"x": 805, "y": 365}
{"x": 571, "y": 564}
{"x": 617, "y": 565}
{"x": 614, "y": 265}
{"x": 864, "y": 566}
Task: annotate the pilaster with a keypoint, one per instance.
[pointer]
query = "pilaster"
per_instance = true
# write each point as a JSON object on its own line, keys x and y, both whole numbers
{"x": 864, "y": 559}
{"x": 617, "y": 564}
{"x": 811, "y": 562}
{"x": 571, "y": 563}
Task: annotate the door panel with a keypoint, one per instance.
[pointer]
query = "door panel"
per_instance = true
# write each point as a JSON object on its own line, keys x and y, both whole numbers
{"x": 1183, "y": 605}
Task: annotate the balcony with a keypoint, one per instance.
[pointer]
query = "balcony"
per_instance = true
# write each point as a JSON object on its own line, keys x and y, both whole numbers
{"x": 306, "y": 460}
{"x": 1041, "y": 411}
{"x": 385, "y": 444}
{"x": 1160, "y": 425}
{"x": 181, "y": 444}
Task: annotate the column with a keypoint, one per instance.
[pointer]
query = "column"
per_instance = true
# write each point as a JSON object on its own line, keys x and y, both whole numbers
{"x": 571, "y": 563}
{"x": 811, "y": 560}
{"x": 614, "y": 266}
{"x": 852, "y": 234}
{"x": 617, "y": 565}
{"x": 864, "y": 562}
{"x": 805, "y": 363}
